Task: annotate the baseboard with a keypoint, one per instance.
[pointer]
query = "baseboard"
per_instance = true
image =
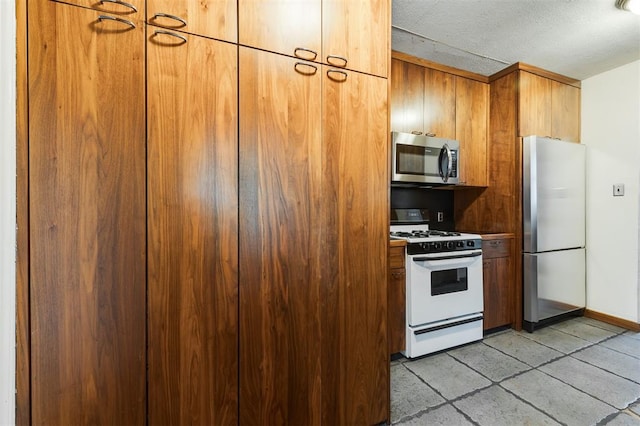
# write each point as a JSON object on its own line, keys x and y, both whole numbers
{"x": 629, "y": 325}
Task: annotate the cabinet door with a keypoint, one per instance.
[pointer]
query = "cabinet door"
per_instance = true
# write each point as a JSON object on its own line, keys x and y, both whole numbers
{"x": 356, "y": 35}
{"x": 192, "y": 230}
{"x": 86, "y": 217}
{"x": 439, "y": 104}
{"x": 472, "y": 115}
{"x": 355, "y": 207}
{"x": 565, "y": 123}
{"x": 290, "y": 27}
{"x": 397, "y": 300}
{"x": 213, "y": 18}
{"x": 535, "y": 105}
{"x": 282, "y": 240}
{"x": 407, "y": 97}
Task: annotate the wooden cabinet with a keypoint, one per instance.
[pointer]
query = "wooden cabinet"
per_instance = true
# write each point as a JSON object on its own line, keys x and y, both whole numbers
{"x": 192, "y": 229}
{"x": 313, "y": 342}
{"x": 423, "y": 100}
{"x": 498, "y": 282}
{"x": 548, "y": 108}
{"x": 86, "y": 217}
{"x": 347, "y": 34}
{"x": 216, "y": 19}
{"x": 397, "y": 297}
{"x": 437, "y": 103}
{"x": 472, "y": 114}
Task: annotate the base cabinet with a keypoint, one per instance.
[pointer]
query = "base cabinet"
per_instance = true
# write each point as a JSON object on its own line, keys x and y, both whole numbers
{"x": 397, "y": 298}
{"x": 497, "y": 275}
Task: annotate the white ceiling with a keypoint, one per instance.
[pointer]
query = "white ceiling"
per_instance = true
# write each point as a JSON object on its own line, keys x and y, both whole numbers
{"x": 576, "y": 38}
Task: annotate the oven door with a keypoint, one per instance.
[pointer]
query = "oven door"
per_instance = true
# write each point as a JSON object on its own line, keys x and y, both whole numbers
{"x": 442, "y": 286}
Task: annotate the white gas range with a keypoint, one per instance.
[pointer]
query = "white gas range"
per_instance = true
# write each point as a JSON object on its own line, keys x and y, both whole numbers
{"x": 443, "y": 288}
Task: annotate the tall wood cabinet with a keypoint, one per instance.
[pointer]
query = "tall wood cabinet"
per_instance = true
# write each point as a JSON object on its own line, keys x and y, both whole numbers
{"x": 86, "y": 217}
{"x": 304, "y": 296}
{"x": 192, "y": 202}
{"x": 208, "y": 221}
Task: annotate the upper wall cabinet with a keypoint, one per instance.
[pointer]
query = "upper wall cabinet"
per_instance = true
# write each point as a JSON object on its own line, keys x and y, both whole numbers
{"x": 472, "y": 113}
{"x": 212, "y": 18}
{"x": 548, "y": 108}
{"x": 423, "y": 100}
{"x": 345, "y": 34}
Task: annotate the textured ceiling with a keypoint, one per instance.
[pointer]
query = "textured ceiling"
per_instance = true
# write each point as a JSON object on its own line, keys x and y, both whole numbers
{"x": 576, "y": 38}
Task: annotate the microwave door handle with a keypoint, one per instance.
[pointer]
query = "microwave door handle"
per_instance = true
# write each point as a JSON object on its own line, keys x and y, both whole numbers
{"x": 445, "y": 174}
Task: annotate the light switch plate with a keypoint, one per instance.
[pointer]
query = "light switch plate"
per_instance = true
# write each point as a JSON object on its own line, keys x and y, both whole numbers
{"x": 618, "y": 190}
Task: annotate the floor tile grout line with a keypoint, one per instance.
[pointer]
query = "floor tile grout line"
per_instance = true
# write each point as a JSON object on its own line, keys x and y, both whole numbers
{"x": 518, "y": 397}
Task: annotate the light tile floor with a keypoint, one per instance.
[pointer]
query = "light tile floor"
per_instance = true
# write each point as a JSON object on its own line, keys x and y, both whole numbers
{"x": 576, "y": 372}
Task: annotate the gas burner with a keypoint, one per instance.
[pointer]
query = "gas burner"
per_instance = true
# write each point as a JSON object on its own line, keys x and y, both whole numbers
{"x": 418, "y": 233}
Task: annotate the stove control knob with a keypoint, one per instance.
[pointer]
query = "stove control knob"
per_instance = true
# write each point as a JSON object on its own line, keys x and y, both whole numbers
{"x": 470, "y": 243}
{"x": 460, "y": 244}
{"x": 437, "y": 246}
{"x": 451, "y": 244}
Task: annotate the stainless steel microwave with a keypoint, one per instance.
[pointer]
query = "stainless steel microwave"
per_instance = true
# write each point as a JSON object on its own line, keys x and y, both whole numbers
{"x": 419, "y": 159}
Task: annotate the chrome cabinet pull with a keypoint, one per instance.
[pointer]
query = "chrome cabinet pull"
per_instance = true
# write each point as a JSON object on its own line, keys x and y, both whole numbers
{"x": 182, "y": 39}
{"x": 297, "y": 50}
{"x": 300, "y": 67}
{"x": 342, "y": 76}
{"x": 339, "y": 58}
{"x": 114, "y": 18}
{"x": 182, "y": 22}
{"x": 430, "y": 134}
{"x": 416, "y": 132}
{"x": 129, "y": 5}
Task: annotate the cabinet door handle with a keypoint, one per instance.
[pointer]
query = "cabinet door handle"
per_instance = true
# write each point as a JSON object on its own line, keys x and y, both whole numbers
{"x": 416, "y": 132}
{"x": 341, "y": 75}
{"x": 182, "y": 22}
{"x": 182, "y": 39}
{"x": 341, "y": 59}
{"x": 114, "y": 18}
{"x": 129, "y": 5}
{"x": 310, "y": 68}
{"x": 299, "y": 50}
{"x": 430, "y": 134}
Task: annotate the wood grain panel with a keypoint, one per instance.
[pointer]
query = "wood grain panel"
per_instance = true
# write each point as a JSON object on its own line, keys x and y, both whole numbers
{"x": 360, "y": 32}
{"x": 210, "y": 18}
{"x": 282, "y": 26}
{"x": 407, "y": 97}
{"x": 23, "y": 399}
{"x": 282, "y": 240}
{"x": 355, "y": 369}
{"x": 192, "y": 230}
{"x": 534, "y": 115}
{"x": 565, "y": 100}
{"x": 396, "y": 96}
{"x": 87, "y": 217}
{"x": 498, "y": 301}
{"x": 472, "y": 116}
{"x": 439, "y": 103}
{"x": 113, "y": 8}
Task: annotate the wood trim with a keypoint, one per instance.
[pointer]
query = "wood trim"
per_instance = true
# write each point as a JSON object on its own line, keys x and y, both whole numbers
{"x": 629, "y": 325}
{"x": 434, "y": 65}
{"x": 520, "y": 66}
{"x": 23, "y": 379}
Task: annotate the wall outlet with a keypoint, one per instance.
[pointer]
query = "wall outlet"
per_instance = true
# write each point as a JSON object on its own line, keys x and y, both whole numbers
{"x": 618, "y": 190}
{"x": 440, "y": 216}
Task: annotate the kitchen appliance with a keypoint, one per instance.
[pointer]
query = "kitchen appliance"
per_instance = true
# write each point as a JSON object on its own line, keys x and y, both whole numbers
{"x": 553, "y": 209}
{"x": 444, "y": 295}
{"x": 419, "y": 159}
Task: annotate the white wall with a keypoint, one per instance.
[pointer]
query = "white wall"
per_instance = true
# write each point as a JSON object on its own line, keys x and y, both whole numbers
{"x": 611, "y": 131}
{"x": 7, "y": 210}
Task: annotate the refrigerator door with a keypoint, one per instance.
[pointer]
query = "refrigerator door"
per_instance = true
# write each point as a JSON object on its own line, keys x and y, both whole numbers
{"x": 554, "y": 283}
{"x": 553, "y": 194}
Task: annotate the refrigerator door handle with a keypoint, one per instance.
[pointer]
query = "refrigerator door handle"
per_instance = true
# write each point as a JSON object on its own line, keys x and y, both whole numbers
{"x": 530, "y": 284}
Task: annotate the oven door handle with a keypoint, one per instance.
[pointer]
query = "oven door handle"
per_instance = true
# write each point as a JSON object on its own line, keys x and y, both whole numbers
{"x": 462, "y": 256}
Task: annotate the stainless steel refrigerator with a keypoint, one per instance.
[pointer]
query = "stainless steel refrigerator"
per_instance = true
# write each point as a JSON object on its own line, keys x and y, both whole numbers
{"x": 553, "y": 198}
